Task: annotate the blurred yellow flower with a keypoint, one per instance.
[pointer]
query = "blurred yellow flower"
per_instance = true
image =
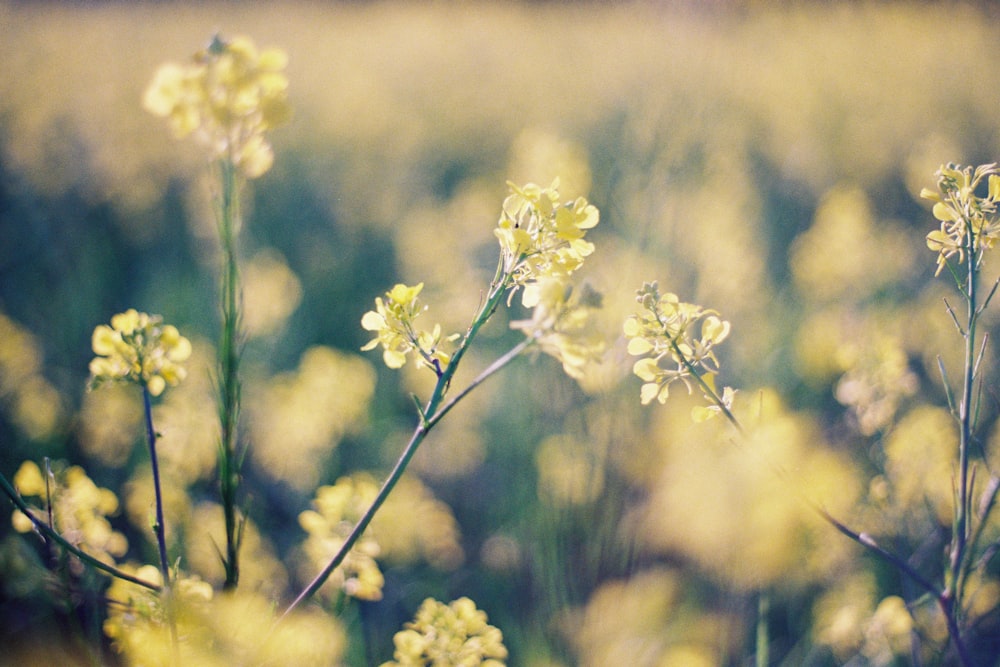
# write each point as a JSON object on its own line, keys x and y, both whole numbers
{"x": 138, "y": 348}
{"x": 78, "y": 507}
{"x": 449, "y": 634}
{"x": 561, "y": 323}
{"x": 336, "y": 510}
{"x": 227, "y": 97}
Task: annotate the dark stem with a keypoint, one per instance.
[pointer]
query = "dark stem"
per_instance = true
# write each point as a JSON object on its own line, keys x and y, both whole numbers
{"x": 159, "y": 528}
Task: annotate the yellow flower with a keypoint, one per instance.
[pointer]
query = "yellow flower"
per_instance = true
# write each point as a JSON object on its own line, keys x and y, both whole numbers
{"x": 562, "y": 324}
{"x": 227, "y": 98}
{"x": 540, "y": 237}
{"x": 138, "y": 348}
{"x": 449, "y": 634}
{"x": 392, "y": 321}
{"x": 336, "y": 509}
{"x": 968, "y": 221}
{"x": 79, "y": 509}
{"x": 666, "y": 334}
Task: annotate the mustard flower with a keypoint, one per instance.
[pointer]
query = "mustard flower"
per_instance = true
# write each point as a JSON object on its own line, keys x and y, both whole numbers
{"x": 562, "y": 323}
{"x": 79, "y": 509}
{"x": 335, "y": 510}
{"x": 541, "y": 237}
{"x": 968, "y": 221}
{"x": 392, "y": 321}
{"x": 139, "y": 348}
{"x": 676, "y": 341}
{"x": 227, "y": 97}
{"x": 449, "y": 634}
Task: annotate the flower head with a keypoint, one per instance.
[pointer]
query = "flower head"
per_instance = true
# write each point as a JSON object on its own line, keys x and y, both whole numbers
{"x": 392, "y": 321}
{"x": 227, "y": 97}
{"x": 78, "y": 508}
{"x": 449, "y": 634}
{"x": 138, "y": 348}
{"x": 562, "y": 323}
{"x": 969, "y": 223}
{"x": 336, "y": 509}
{"x": 676, "y": 341}
{"x": 541, "y": 237}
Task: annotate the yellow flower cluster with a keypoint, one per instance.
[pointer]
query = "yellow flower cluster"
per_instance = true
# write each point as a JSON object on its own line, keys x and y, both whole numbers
{"x": 392, "y": 321}
{"x": 336, "y": 510}
{"x": 78, "y": 507}
{"x": 968, "y": 221}
{"x": 562, "y": 324}
{"x": 227, "y": 97}
{"x": 449, "y": 634}
{"x": 234, "y": 629}
{"x": 139, "y": 348}
{"x": 666, "y": 333}
{"x": 542, "y": 238}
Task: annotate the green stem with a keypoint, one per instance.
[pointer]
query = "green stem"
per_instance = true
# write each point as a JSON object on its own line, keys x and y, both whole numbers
{"x": 431, "y": 415}
{"x": 762, "y": 655}
{"x": 51, "y": 534}
{"x": 230, "y": 460}
{"x": 159, "y": 528}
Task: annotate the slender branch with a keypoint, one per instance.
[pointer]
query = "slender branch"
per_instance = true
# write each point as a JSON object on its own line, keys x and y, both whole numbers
{"x": 49, "y": 533}
{"x": 160, "y": 527}
{"x": 430, "y": 415}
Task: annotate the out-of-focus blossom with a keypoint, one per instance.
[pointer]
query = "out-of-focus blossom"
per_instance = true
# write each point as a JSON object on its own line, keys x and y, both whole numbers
{"x": 676, "y": 341}
{"x": 138, "y": 348}
{"x": 79, "y": 509}
{"x": 336, "y": 509}
{"x": 561, "y": 323}
{"x": 234, "y": 629}
{"x": 542, "y": 238}
{"x": 393, "y": 322}
{"x": 449, "y": 634}
{"x": 227, "y": 97}
{"x": 968, "y": 220}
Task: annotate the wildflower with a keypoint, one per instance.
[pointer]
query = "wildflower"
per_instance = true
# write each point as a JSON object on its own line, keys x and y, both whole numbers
{"x": 138, "y": 348}
{"x": 227, "y": 98}
{"x": 336, "y": 509}
{"x": 667, "y": 336}
{"x": 449, "y": 634}
{"x": 562, "y": 324}
{"x": 78, "y": 508}
{"x": 540, "y": 237}
{"x": 392, "y": 320}
{"x": 968, "y": 221}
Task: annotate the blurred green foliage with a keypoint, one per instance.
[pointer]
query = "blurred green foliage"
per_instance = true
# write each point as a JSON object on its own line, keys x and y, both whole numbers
{"x": 763, "y": 161}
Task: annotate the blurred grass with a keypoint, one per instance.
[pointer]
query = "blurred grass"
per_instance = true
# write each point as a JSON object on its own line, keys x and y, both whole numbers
{"x": 711, "y": 139}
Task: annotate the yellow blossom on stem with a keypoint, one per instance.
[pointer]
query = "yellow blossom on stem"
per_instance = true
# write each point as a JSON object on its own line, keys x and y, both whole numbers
{"x": 561, "y": 323}
{"x": 227, "y": 97}
{"x": 449, "y": 634}
{"x": 138, "y": 348}
{"x": 969, "y": 223}
{"x": 392, "y": 321}
{"x": 676, "y": 341}
{"x": 541, "y": 237}
{"x": 335, "y": 511}
{"x": 74, "y": 506}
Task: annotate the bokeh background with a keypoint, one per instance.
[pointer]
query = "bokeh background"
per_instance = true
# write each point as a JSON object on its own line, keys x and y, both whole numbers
{"x": 762, "y": 159}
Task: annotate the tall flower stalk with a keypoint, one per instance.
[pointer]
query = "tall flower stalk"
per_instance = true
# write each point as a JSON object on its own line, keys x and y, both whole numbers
{"x": 541, "y": 241}
{"x": 228, "y": 97}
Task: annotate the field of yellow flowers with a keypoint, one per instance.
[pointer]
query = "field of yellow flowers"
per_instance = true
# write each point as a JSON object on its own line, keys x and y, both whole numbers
{"x": 765, "y": 161}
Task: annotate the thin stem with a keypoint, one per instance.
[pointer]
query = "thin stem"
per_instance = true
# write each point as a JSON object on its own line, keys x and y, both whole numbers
{"x": 762, "y": 654}
{"x": 230, "y": 460}
{"x": 429, "y": 416}
{"x": 159, "y": 528}
{"x": 49, "y": 533}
